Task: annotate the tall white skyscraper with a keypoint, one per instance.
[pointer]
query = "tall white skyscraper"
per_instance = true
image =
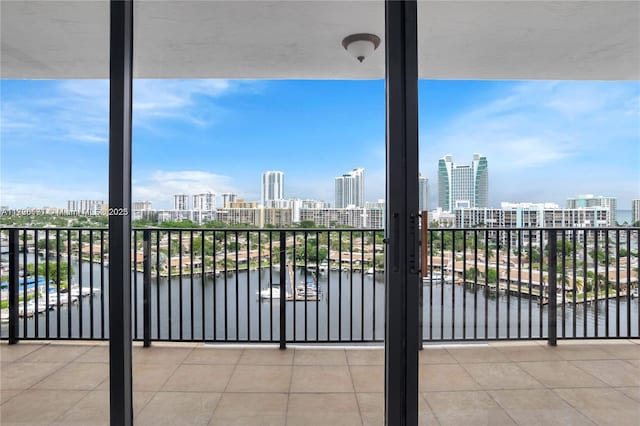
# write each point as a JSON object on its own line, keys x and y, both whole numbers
{"x": 463, "y": 186}
{"x": 205, "y": 202}
{"x": 181, "y": 202}
{"x": 635, "y": 212}
{"x": 272, "y": 188}
{"x": 423, "y": 191}
{"x": 349, "y": 189}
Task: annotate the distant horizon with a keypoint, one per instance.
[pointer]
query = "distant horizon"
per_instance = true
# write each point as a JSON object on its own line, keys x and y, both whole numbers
{"x": 545, "y": 141}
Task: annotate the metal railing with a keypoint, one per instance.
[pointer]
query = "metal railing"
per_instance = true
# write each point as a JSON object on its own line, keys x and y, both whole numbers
{"x": 321, "y": 285}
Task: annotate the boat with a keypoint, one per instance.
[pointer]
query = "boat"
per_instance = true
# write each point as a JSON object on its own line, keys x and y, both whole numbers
{"x": 635, "y": 292}
{"x": 324, "y": 266}
{"x": 272, "y": 292}
{"x": 370, "y": 271}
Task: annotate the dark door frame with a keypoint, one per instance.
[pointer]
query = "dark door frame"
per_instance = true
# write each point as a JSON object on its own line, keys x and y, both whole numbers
{"x": 402, "y": 237}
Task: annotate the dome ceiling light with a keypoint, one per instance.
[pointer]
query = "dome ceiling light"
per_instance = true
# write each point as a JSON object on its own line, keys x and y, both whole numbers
{"x": 360, "y": 46}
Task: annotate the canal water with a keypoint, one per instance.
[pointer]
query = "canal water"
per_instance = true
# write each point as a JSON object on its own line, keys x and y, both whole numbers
{"x": 350, "y": 308}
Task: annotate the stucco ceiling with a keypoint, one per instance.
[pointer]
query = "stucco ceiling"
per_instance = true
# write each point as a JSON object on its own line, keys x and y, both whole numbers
{"x": 301, "y": 39}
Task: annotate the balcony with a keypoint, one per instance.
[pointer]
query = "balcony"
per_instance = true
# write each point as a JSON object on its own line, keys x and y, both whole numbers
{"x": 207, "y": 303}
{"x": 576, "y": 382}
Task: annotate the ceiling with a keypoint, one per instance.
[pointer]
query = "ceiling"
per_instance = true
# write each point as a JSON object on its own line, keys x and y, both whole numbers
{"x": 571, "y": 40}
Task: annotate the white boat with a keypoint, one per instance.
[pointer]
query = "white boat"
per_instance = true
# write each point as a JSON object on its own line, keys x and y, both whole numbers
{"x": 370, "y": 271}
{"x": 635, "y": 292}
{"x": 272, "y": 292}
{"x": 324, "y": 266}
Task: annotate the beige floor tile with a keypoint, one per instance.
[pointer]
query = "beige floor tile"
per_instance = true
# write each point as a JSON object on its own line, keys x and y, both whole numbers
{"x": 634, "y": 362}
{"x": 612, "y": 372}
{"x": 178, "y": 408}
{"x": 604, "y": 406}
{"x": 623, "y": 351}
{"x": 435, "y": 356}
{"x": 95, "y": 354}
{"x": 581, "y": 352}
{"x": 6, "y": 395}
{"x": 260, "y": 378}
{"x": 467, "y": 408}
{"x": 56, "y": 353}
{"x": 631, "y": 392}
{"x": 365, "y": 356}
{"x": 22, "y": 375}
{"x": 160, "y": 355}
{"x": 529, "y": 353}
{"x": 199, "y": 378}
{"x": 445, "y": 377}
{"x": 560, "y": 374}
{"x": 538, "y": 407}
{"x": 320, "y": 357}
{"x": 93, "y": 409}
{"x": 269, "y": 356}
{"x": 10, "y": 353}
{"x": 367, "y": 378}
{"x": 76, "y": 376}
{"x": 247, "y": 409}
{"x": 501, "y": 376}
{"x": 39, "y": 406}
{"x": 477, "y": 354}
{"x": 372, "y": 409}
{"x": 307, "y": 378}
{"x": 147, "y": 377}
{"x": 323, "y": 409}
{"x": 208, "y": 355}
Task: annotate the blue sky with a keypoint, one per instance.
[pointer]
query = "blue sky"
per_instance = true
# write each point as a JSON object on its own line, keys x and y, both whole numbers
{"x": 545, "y": 141}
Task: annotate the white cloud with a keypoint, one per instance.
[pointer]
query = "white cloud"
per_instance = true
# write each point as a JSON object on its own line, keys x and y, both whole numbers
{"x": 547, "y": 133}
{"x": 160, "y": 185}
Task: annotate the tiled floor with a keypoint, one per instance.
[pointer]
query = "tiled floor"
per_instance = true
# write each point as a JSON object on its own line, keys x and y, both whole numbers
{"x": 193, "y": 384}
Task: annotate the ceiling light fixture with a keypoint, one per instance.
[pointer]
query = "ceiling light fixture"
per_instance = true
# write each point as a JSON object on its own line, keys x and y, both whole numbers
{"x": 361, "y": 45}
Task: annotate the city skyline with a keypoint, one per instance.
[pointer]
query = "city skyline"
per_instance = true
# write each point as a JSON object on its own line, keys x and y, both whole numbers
{"x": 546, "y": 140}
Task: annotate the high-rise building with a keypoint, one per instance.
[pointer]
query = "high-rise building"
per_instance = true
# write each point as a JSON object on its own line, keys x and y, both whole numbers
{"x": 589, "y": 200}
{"x": 228, "y": 198}
{"x": 86, "y": 207}
{"x": 423, "y": 191}
{"x": 142, "y": 205}
{"x": 181, "y": 202}
{"x": 635, "y": 212}
{"x": 204, "y": 202}
{"x": 272, "y": 188}
{"x": 349, "y": 189}
{"x": 463, "y": 186}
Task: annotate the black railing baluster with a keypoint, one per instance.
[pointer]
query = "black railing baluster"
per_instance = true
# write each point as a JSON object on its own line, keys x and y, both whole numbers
{"x": 169, "y": 305}
{"x": 180, "y": 283}
{"x": 80, "y": 287}
{"x": 203, "y": 276}
{"x": 248, "y": 286}
{"x": 59, "y": 305}
{"x": 283, "y": 289}
{"x": 606, "y": 283}
{"x": 146, "y": 287}
{"x": 134, "y": 284}
{"x": 158, "y": 269}
{"x": 260, "y": 285}
{"x": 629, "y": 290}
{"x": 442, "y": 283}
{"x": 617, "y": 254}
{"x": 236, "y": 295}
{"x": 339, "y": 285}
{"x": 14, "y": 268}
{"x": 91, "y": 332}
{"x": 328, "y": 271}
{"x": 541, "y": 284}
{"x": 508, "y": 289}
{"x": 36, "y": 288}
{"x": 464, "y": 284}
{"x": 191, "y": 310}
{"x": 46, "y": 281}
{"x": 597, "y": 279}
{"x": 552, "y": 331}
{"x": 69, "y": 296}
{"x": 102, "y": 255}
